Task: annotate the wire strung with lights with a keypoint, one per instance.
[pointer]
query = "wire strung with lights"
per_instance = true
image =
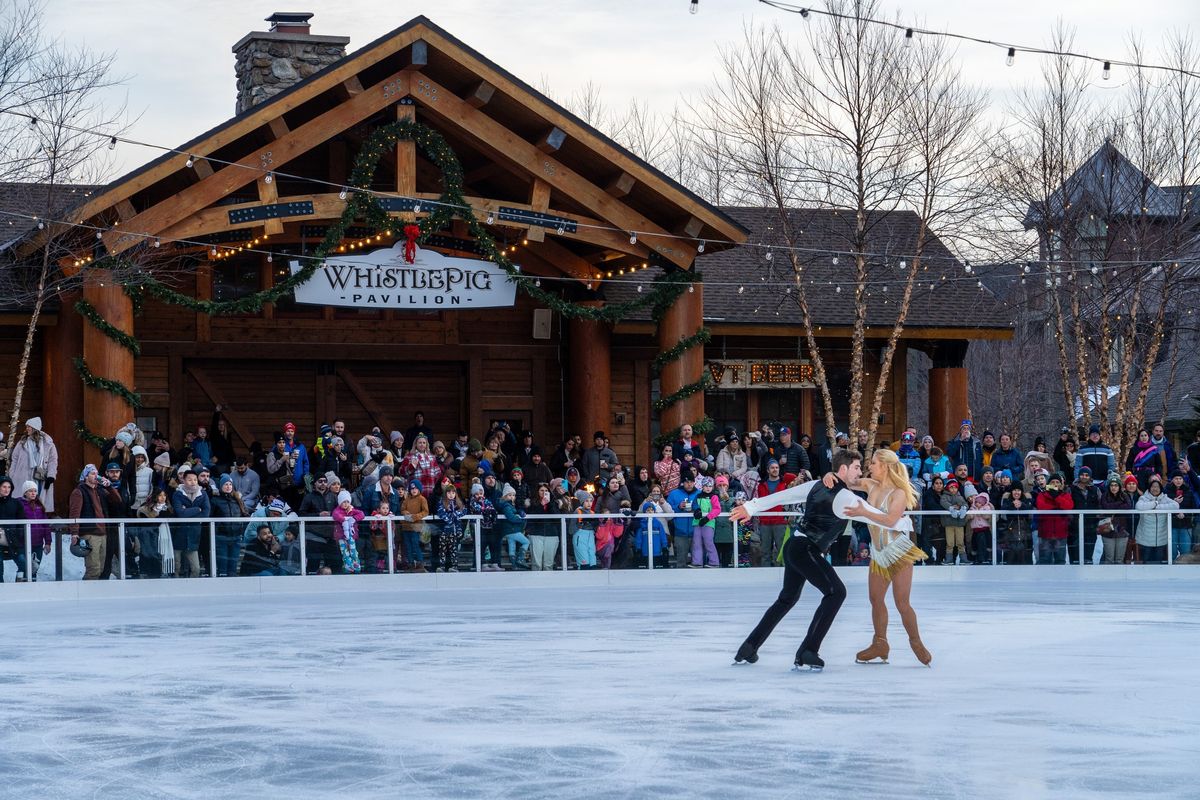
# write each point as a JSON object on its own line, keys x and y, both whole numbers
{"x": 1011, "y": 49}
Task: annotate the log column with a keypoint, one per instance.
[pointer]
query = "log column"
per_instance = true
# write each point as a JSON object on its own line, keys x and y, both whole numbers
{"x": 948, "y": 403}
{"x": 590, "y": 372}
{"x": 683, "y": 319}
{"x": 62, "y": 394}
{"x": 104, "y": 412}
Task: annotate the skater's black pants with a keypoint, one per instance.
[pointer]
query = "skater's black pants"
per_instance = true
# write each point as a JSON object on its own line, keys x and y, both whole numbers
{"x": 802, "y": 561}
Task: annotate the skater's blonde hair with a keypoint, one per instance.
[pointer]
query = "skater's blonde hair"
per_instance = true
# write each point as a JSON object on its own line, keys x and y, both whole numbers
{"x": 896, "y": 475}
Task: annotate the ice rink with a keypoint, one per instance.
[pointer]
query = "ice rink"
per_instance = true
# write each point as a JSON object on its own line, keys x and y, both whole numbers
{"x": 1044, "y": 688}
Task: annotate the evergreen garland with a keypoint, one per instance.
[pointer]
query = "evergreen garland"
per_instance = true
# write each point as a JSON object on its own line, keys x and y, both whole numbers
{"x": 89, "y": 312}
{"x": 112, "y": 387}
{"x": 82, "y": 432}
{"x": 684, "y": 392}
{"x": 700, "y": 337}
{"x": 702, "y": 427}
{"x": 362, "y": 208}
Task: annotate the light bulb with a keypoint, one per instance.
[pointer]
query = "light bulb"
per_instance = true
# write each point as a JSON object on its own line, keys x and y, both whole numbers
{"x": 191, "y": 162}
{"x": 99, "y": 235}
{"x": 1107, "y": 70}
{"x": 561, "y": 230}
{"x": 639, "y": 288}
{"x": 41, "y": 225}
{"x": 538, "y": 283}
{"x": 691, "y": 290}
{"x": 112, "y": 143}
{"x": 694, "y": 7}
{"x": 741, "y": 289}
{"x": 416, "y": 208}
{"x": 342, "y": 194}
{"x": 490, "y": 218}
{"x": 770, "y": 255}
{"x": 270, "y": 258}
{"x": 838, "y": 290}
{"x": 157, "y": 242}
{"x": 1012, "y": 56}
{"x": 633, "y": 238}
{"x": 835, "y": 260}
{"x": 700, "y": 247}
{"x": 269, "y": 177}
{"x": 908, "y": 37}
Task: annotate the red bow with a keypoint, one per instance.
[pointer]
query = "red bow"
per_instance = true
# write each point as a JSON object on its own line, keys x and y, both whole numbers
{"x": 411, "y": 232}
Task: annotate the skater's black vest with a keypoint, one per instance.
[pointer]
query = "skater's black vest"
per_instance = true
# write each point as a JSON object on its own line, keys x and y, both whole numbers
{"x": 819, "y": 524}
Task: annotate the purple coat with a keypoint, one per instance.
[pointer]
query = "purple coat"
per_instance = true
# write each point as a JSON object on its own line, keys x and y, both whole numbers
{"x": 39, "y": 533}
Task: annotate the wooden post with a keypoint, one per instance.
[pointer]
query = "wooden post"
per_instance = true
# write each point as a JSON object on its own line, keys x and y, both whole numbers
{"x": 683, "y": 319}
{"x": 590, "y": 375}
{"x": 62, "y": 394}
{"x": 104, "y": 412}
{"x": 947, "y": 402}
{"x": 947, "y": 389}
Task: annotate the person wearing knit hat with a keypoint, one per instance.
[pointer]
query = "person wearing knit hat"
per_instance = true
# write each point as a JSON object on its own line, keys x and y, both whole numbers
{"x": 1085, "y": 496}
{"x": 224, "y": 479}
{"x": 28, "y": 486}
{"x": 125, "y": 438}
{"x": 345, "y": 532}
{"x": 954, "y": 523}
{"x": 34, "y": 457}
{"x": 331, "y": 478}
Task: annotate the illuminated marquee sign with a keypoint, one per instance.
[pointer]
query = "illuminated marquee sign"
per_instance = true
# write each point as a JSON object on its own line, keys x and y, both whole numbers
{"x": 780, "y": 373}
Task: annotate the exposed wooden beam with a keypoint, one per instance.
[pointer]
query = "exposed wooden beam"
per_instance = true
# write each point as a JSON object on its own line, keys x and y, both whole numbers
{"x": 352, "y": 86}
{"x": 126, "y": 211}
{"x": 562, "y": 258}
{"x": 487, "y": 171}
{"x": 504, "y": 144}
{"x": 551, "y": 141}
{"x": 202, "y": 168}
{"x": 481, "y": 95}
{"x": 232, "y": 416}
{"x": 406, "y": 156}
{"x": 620, "y": 185}
{"x": 279, "y": 128}
{"x": 329, "y": 206}
{"x": 539, "y": 200}
{"x": 272, "y": 155}
{"x": 375, "y": 410}
{"x": 268, "y": 193}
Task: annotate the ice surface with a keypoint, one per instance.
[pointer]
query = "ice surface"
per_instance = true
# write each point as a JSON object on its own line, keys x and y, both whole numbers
{"x": 1051, "y": 688}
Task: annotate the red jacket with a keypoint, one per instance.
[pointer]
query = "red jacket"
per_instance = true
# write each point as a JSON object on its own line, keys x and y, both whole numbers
{"x": 1054, "y": 527}
{"x": 763, "y": 491}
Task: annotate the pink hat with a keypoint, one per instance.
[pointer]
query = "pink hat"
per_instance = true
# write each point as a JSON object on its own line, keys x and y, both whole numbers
{"x": 722, "y": 480}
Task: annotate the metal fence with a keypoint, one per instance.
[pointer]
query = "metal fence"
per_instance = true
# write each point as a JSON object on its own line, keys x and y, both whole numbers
{"x": 1173, "y": 531}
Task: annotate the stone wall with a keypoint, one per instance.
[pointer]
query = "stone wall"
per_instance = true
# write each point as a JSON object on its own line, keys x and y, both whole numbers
{"x": 269, "y": 63}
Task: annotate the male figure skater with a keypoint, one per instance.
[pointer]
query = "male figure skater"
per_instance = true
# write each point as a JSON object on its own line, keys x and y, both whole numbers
{"x": 823, "y": 522}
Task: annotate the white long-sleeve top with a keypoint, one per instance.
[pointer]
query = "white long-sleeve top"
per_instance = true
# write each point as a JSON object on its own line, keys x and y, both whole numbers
{"x": 843, "y": 500}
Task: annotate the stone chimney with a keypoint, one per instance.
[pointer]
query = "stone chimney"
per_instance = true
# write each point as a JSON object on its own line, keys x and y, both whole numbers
{"x": 268, "y": 62}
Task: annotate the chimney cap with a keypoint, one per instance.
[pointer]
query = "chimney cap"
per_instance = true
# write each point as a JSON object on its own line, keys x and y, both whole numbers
{"x": 285, "y": 21}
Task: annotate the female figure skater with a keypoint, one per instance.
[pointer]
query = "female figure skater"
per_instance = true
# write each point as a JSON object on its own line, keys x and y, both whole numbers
{"x": 889, "y": 495}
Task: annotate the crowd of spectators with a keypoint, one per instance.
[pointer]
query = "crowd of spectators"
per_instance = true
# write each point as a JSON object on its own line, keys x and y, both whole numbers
{"x": 423, "y": 499}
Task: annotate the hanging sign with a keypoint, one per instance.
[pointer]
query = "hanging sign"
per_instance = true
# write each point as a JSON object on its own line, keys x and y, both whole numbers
{"x": 779, "y": 373}
{"x": 383, "y": 278}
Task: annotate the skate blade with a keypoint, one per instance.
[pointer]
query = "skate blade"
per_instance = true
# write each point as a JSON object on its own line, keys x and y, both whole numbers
{"x": 805, "y": 668}
{"x": 872, "y": 661}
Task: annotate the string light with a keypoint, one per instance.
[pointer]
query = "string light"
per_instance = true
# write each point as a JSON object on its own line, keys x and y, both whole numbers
{"x": 1107, "y": 73}
{"x": 700, "y": 247}
{"x": 633, "y": 237}
{"x": 1012, "y": 56}
{"x": 416, "y": 208}
{"x": 343, "y": 193}
{"x": 908, "y": 37}
{"x": 694, "y": 7}
{"x": 269, "y": 177}
{"x": 112, "y": 143}
{"x": 490, "y": 218}
{"x": 1010, "y": 48}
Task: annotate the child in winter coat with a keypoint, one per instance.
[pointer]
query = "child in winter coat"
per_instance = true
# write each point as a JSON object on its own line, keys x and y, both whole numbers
{"x": 490, "y": 538}
{"x": 345, "y": 521}
{"x": 705, "y": 511}
{"x": 583, "y": 541}
{"x": 414, "y": 509}
{"x": 954, "y": 522}
{"x": 935, "y": 464}
{"x": 980, "y": 523}
{"x": 378, "y": 522}
{"x": 651, "y": 534}
{"x": 39, "y": 534}
{"x": 450, "y": 511}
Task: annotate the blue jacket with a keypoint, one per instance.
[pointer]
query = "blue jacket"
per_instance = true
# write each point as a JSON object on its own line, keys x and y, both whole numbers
{"x": 508, "y": 519}
{"x": 683, "y": 525}
{"x": 1010, "y": 460}
{"x": 301, "y": 468}
{"x": 969, "y": 452}
{"x": 910, "y": 457}
{"x": 185, "y": 507}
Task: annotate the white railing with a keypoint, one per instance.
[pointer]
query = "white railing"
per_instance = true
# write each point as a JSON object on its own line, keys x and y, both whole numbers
{"x": 61, "y": 529}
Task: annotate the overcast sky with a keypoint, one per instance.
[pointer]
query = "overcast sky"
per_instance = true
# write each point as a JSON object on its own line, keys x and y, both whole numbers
{"x": 177, "y": 58}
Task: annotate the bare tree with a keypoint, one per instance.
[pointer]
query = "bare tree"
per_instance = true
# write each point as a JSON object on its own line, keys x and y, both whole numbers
{"x": 62, "y": 145}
